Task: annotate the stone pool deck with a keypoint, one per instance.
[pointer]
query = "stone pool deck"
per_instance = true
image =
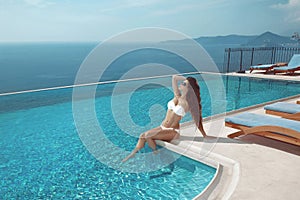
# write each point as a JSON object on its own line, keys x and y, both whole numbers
{"x": 253, "y": 167}
{"x": 270, "y": 75}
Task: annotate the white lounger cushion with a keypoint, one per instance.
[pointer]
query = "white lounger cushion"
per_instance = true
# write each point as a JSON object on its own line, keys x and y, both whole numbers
{"x": 291, "y": 108}
{"x": 252, "y": 119}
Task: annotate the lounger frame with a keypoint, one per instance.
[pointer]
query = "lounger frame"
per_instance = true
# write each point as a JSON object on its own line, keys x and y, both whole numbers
{"x": 294, "y": 116}
{"x": 273, "y": 132}
{"x": 267, "y": 69}
{"x": 287, "y": 71}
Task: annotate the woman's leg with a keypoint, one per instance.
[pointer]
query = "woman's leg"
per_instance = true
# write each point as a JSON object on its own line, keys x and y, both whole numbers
{"x": 150, "y": 137}
{"x": 141, "y": 142}
{"x": 151, "y": 144}
{"x": 165, "y": 135}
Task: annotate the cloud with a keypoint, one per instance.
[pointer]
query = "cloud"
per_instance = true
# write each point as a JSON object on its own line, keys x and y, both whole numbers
{"x": 174, "y": 10}
{"x": 140, "y": 3}
{"x": 129, "y": 4}
{"x": 289, "y": 4}
{"x": 179, "y": 7}
{"x": 39, "y": 3}
{"x": 291, "y": 10}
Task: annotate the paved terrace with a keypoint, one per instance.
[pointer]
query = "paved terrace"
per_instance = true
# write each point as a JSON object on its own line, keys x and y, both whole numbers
{"x": 252, "y": 167}
{"x": 270, "y": 75}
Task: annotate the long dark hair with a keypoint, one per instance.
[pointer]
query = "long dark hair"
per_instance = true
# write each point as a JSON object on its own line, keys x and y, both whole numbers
{"x": 194, "y": 100}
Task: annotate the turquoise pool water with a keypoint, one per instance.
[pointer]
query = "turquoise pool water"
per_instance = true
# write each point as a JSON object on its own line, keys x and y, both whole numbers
{"x": 42, "y": 156}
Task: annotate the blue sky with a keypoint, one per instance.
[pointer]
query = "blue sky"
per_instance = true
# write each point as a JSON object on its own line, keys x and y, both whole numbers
{"x": 97, "y": 20}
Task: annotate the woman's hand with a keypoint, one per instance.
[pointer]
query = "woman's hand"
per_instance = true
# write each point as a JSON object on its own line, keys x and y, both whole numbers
{"x": 175, "y": 79}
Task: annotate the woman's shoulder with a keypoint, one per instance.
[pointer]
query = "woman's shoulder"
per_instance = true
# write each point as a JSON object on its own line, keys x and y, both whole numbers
{"x": 175, "y": 99}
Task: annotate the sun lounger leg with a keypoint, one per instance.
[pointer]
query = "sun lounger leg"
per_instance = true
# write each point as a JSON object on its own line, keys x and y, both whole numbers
{"x": 236, "y": 134}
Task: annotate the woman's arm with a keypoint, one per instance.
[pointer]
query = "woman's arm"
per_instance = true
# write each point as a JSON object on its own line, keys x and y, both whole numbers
{"x": 175, "y": 79}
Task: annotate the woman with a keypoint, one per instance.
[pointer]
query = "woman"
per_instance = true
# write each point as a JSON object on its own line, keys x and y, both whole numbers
{"x": 186, "y": 99}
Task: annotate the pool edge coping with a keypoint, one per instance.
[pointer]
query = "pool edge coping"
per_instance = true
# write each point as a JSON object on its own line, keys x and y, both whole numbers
{"x": 217, "y": 161}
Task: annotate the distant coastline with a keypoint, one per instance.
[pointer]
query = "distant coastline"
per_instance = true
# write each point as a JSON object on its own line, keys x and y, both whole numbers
{"x": 267, "y": 39}
{"x": 36, "y": 65}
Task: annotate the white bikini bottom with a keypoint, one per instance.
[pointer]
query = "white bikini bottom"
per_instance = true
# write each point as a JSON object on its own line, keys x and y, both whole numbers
{"x": 173, "y": 129}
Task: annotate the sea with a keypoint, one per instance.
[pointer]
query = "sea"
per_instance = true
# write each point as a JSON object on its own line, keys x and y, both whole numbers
{"x": 37, "y": 65}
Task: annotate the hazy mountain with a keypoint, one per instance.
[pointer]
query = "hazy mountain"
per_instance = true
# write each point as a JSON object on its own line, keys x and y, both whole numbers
{"x": 229, "y": 39}
{"x": 263, "y": 40}
{"x": 271, "y": 39}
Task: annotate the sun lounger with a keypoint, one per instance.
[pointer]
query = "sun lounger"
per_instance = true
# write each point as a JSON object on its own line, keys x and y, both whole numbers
{"x": 293, "y": 65}
{"x": 287, "y": 70}
{"x": 265, "y": 125}
{"x": 266, "y": 67}
{"x": 283, "y": 109}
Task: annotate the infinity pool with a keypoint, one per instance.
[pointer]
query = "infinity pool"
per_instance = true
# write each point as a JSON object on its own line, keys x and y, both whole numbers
{"x": 42, "y": 156}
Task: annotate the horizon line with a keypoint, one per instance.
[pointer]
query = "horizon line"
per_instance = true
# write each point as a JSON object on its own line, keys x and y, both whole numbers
{"x": 95, "y": 41}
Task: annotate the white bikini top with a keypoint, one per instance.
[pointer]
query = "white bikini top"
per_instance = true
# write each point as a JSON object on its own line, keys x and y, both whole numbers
{"x": 177, "y": 109}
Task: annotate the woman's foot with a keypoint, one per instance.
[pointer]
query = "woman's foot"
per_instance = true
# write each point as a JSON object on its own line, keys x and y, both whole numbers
{"x": 155, "y": 151}
{"x": 131, "y": 155}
